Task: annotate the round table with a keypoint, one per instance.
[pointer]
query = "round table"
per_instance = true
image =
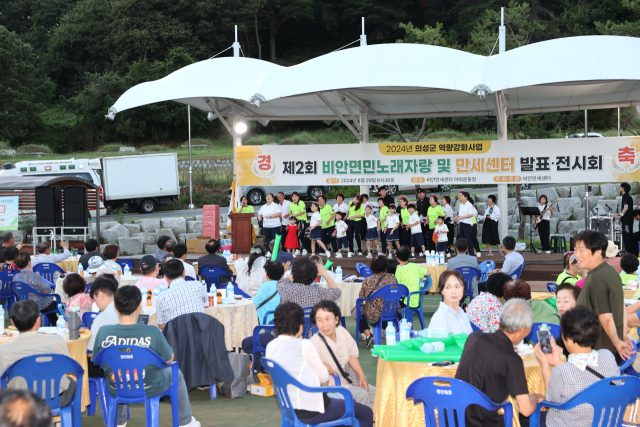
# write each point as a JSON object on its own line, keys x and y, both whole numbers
{"x": 70, "y": 264}
{"x": 435, "y": 271}
{"x": 350, "y": 293}
{"x": 78, "y": 351}
{"x": 125, "y": 281}
{"x": 392, "y": 408}
{"x": 238, "y": 319}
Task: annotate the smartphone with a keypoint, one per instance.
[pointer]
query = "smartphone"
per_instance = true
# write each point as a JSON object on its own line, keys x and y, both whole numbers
{"x": 544, "y": 338}
{"x": 443, "y": 363}
{"x": 143, "y": 319}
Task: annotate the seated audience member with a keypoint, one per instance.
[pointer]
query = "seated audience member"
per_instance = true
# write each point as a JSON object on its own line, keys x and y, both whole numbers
{"x": 584, "y": 366}
{"x": 464, "y": 260}
{"x": 300, "y": 359}
{"x": 75, "y": 287}
{"x": 162, "y": 252}
{"x": 25, "y": 316}
{"x": 156, "y": 381}
{"x": 250, "y": 273}
{"x": 629, "y": 264}
{"x": 450, "y": 315}
{"x": 283, "y": 256}
{"x": 570, "y": 274}
{"x": 45, "y": 255}
{"x": 38, "y": 283}
{"x": 332, "y": 340}
{"x": 22, "y": 408}
{"x": 542, "y": 312}
{"x": 182, "y": 297}
{"x": 10, "y": 253}
{"x": 300, "y": 287}
{"x": 180, "y": 253}
{"x": 169, "y": 247}
{"x": 8, "y": 240}
{"x": 91, "y": 249}
{"x": 489, "y": 363}
{"x": 484, "y": 310}
{"x": 96, "y": 263}
{"x": 212, "y": 259}
{"x": 150, "y": 270}
{"x": 566, "y": 298}
{"x": 102, "y": 291}
{"x": 409, "y": 274}
{"x": 110, "y": 256}
{"x": 372, "y": 310}
{"x": 512, "y": 259}
{"x": 611, "y": 256}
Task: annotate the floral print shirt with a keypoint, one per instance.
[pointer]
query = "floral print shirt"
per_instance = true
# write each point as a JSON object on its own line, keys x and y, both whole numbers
{"x": 484, "y": 312}
{"x": 82, "y": 300}
{"x": 37, "y": 282}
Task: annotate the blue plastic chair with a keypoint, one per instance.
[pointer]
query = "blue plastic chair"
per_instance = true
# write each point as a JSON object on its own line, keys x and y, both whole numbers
{"x": 61, "y": 308}
{"x": 99, "y": 386}
{"x": 452, "y": 401}
{"x": 189, "y": 279}
{"x": 281, "y": 379}
{"x": 552, "y": 287}
{"x": 132, "y": 390}
{"x": 6, "y": 292}
{"x": 257, "y": 348}
{"x": 212, "y": 274}
{"x": 238, "y": 291}
{"x": 517, "y": 272}
{"x": 309, "y": 328}
{"x": 42, "y": 374}
{"x": 391, "y": 294}
{"x": 125, "y": 261}
{"x": 366, "y": 272}
{"x": 626, "y": 364}
{"x": 486, "y": 267}
{"x": 473, "y": 327}
{"x": 533, "y": 335}
{"x": 360, "y": 266}
{"x": 23, "y": 291}
{"x": 88, "y": 318}
{"x": 469, "y": 273}
{"x": 408, "y": 311}
{"x": 608, "y": 398}
{"x": 47, "y": 270}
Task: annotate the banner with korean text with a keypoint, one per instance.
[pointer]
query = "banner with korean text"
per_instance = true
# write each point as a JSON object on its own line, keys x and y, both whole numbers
{"x": 568, "y": 160}
{"x": 9, "y": 213}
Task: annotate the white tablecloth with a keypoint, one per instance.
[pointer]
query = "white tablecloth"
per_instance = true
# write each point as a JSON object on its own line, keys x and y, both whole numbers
{"x": 89, "y": 279}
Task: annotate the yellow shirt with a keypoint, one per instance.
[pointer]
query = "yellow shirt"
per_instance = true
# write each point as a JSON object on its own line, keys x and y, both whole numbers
{"x": 353, "y": 211}
{"x": 246, "y": 209}
{"x": 384, "y": 212}
{"x": 433, "y": 214}
{"x": 299, "y": 207}
{"x": 326, "y": 213}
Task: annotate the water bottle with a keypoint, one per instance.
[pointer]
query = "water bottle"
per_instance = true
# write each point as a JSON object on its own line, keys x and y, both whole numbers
{"x": 390, "y": 333}
{"x": 163, "y": 286}
{"x": 338, "y": 274}
{"x": 127, "y": 270}
{"x": 441, "y": 258}
{"x": 433, "y": 258}
{"x": 432, "y": 347}
{"x": 205, "y": 294}
{"x": 81, "y": 270}
{"x": 143, "y": 292}
{"x": 434, "y": 333}
{"x": 61, "y": 327}
{"x": 114, "y": 270}
{"x": 405, "y": 330}
{"x": 230, "y": 292}
{"x": 156, "y": 294}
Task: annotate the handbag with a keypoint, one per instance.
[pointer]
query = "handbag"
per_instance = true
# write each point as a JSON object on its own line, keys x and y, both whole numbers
{"x": 241, "y": 367}
{"x": 375, "y": 288}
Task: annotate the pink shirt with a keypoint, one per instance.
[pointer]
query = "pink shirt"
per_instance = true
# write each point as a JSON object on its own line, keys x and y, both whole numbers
{"x": 82, "y": 300}
{"x": 149, "y": 282}
{"x": 580, "y": 283}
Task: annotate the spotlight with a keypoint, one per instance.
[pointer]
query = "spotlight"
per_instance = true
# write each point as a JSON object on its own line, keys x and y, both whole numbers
{"x": 210, "y": 116}
{"x": 240, "y": 127}
{"x": 481, "y": 94}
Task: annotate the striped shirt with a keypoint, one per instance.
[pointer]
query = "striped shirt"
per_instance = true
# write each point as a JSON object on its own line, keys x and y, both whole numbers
{"x": 305, "y": 296}
{"x": 182, "y": 297}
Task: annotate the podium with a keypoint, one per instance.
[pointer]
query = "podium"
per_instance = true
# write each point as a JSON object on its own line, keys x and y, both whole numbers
{"x": 241, "y": 226}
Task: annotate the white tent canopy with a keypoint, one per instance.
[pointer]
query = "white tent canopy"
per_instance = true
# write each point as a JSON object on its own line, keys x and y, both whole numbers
{"x": 408, "y": 81}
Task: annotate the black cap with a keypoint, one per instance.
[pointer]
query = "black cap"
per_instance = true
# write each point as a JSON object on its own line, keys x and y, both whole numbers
{"x": 421, "y": 190}
{"x": 148, "y": 261}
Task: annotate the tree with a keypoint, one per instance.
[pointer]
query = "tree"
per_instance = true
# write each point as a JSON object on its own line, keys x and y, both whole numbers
{"x": 428, "y": 35}
{"x": 626, "y": 28}
{"x": 280, "y": 11}
{"x": 24, "y": 91}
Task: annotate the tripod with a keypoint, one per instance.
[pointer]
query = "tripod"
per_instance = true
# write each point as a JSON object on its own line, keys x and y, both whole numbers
{"x": 530, "y": 211}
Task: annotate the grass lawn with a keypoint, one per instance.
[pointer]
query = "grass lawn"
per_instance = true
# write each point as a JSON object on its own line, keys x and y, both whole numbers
{"x": 251, "y": 411}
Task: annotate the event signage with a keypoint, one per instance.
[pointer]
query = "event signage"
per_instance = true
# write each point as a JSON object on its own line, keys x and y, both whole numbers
{"x": 9, "y": 213}
{"x": 568, "y": 160}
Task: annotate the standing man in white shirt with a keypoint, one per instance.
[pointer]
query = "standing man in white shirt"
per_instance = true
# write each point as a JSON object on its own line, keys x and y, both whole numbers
{"x": 45, "y": 255}
{"x": 284, "y": 220}
{"x": 270, "y": 215}
{"x": 465, "y": 218}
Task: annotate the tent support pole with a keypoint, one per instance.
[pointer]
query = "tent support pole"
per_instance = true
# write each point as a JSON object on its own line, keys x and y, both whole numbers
{"x": 237, "y": 142}
{"x": 190, "y": 161}
{"x": 503, "y": 192}
{"x": 340, "y": 116}
{"x": 364, "y": 129}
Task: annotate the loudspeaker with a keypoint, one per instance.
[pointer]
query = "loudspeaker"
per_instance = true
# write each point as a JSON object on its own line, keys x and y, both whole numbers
{"x": 48, "y": 207}
{"x": 76, "y": 210}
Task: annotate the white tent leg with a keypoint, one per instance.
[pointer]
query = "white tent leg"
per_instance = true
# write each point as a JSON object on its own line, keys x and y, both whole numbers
{"x": 364, "y": 132}
{"x": 503, "y": 194}
{"x": 237, "y": 142}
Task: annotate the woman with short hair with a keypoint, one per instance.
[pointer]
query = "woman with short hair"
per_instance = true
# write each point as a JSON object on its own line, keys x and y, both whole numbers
{"x": 300, "y": 359}
{"x": 465, "y": 216}
{"x": 110, "y": 254}
{"x": 75, "y": 287}
{"x": 484, "y": 310}
{"x": 450, "y": 315}
{"x": 245, "y": 206}
{"x": 542, "y": 312}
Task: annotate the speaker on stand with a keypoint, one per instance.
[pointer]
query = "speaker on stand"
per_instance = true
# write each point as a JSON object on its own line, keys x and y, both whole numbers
{"x": 48, "y": 210}
{"x": 76, "y": 210}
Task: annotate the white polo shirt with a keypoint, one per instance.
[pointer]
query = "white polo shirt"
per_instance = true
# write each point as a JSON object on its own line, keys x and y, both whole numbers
{"x": 466, "y": 209}
{"x": 416, "y": 228}
{"x": 344, "y": 208}
{"x": 286, "y": 210}
{"x": 268, "y": 210}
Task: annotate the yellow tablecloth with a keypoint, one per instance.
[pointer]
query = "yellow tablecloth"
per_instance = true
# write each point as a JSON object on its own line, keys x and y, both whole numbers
{"x": 238, "y": 319}
{"x": 435, "y": 271}
{"x": 629, "y": 294}
{"x": 89, "y": 279}
{"x": 541, "y": 296}
{"x": 78, "y": 350}
{"x": 392, "y": 408}
{"x": 69, "y": 264}
{"x": 350, "y": 293}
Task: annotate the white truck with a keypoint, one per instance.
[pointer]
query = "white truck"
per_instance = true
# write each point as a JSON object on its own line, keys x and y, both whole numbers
{"x": 143, "y": 180}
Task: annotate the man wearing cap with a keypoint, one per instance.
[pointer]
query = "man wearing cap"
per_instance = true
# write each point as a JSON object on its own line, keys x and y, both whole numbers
{"x": 45, "y": 255}
{"x": 150, "y": 270}
{"x": 95, "y": 263}
{"x": 382, "y": 193}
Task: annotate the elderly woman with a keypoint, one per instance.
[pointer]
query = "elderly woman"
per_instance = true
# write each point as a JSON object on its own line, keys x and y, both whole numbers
{"x": 542, "y": 312}
{"x": 75, "y": 287}
{"x": 584, "y": 366}
{"x": 339, "y": 352}
{"x": 250, "y": 273}
{"x": 566, "y": 299}
{"x": 300, "y": 359}
{"x": 372, "y": 310}
{"x": 450, "y": 315}
{"x": 245, "y": 208}
{"x": 484, "y": 311}
{"x": 110, "y": 254}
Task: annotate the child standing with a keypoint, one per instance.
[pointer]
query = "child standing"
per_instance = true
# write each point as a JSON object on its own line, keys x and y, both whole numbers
{"x": 373, "y": 225}
{"x": 413, "y": 224}
{"x": 393, "y": 222}
{"x": 341, "y": 233}
{"x": 443, "y": 237}
{"x": 291, "y": 243}
{"x": 315, "y": 230}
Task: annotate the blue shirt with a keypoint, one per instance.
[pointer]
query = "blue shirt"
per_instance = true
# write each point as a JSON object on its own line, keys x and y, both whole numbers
{"x": 266, "y": 290}
{"x": 511, "y": 262}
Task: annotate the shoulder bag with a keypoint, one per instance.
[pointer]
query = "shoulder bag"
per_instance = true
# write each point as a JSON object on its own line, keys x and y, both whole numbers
{"x": 335, "y": 360}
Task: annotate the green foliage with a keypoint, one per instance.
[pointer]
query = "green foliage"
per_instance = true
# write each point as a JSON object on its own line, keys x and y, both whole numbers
{"x": 428, "y": 35}
{"x": 626, "y": 28}
{"x": 119, "y": 213}
{"x": 348, "y": 191}
{"x": 33, "y": 148}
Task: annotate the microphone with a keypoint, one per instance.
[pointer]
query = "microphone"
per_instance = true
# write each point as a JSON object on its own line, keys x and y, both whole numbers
{"x": 558, "y": 207}
{"x": 609, "y": 207}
